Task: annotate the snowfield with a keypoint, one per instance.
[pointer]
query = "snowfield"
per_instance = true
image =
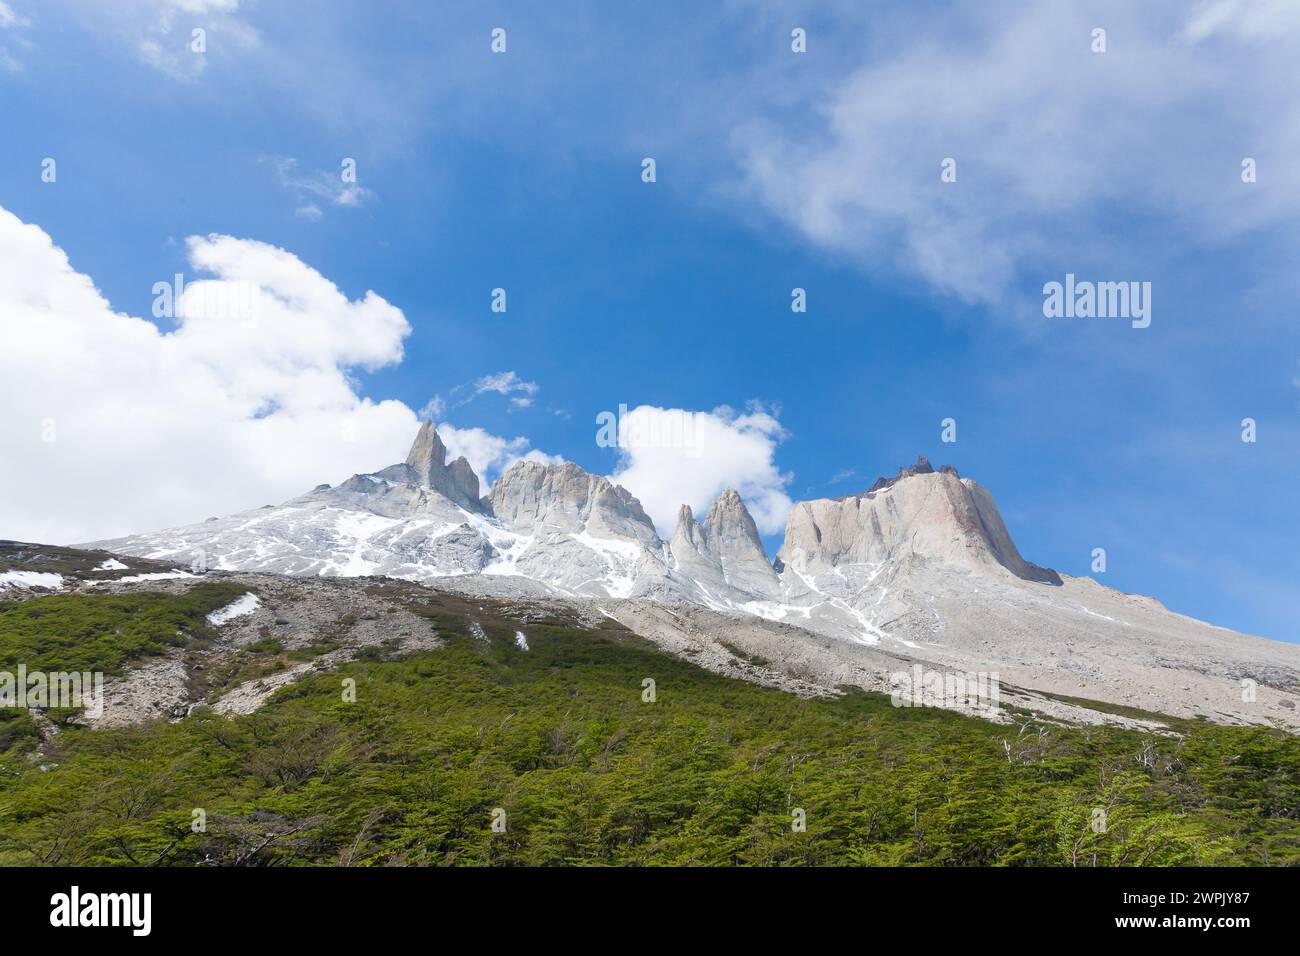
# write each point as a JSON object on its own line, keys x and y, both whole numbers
{"x": 31, "y": 579}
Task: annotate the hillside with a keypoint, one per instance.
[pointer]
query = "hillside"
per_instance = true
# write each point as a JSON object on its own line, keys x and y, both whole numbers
{"x": 467, "y": 705}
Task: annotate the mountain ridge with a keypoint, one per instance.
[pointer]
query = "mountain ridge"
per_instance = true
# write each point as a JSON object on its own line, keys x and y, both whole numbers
{"x": 490, "y": 533}
{"x": 555, "y": 523}
{"x": 920, "y": 566}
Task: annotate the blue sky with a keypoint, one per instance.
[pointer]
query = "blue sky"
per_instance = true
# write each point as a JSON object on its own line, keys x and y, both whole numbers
{"x": 775, "y": 170}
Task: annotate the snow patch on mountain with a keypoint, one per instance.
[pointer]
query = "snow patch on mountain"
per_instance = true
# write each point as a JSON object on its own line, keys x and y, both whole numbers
{"x": 31, "y": 579}
{"x": 919, "y": 565}
{"x": 240, "y": 607}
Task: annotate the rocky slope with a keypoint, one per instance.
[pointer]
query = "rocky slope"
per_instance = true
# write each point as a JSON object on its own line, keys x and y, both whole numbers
{"x": 920, "y": 567}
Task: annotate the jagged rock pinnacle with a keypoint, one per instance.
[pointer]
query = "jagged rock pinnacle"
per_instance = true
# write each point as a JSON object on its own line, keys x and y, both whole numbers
{"x": 428, "y": 459}
{"x": 921, "y": 467}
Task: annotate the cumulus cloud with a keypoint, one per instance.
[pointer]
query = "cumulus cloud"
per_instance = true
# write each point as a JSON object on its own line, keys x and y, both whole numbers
{"x": 1057, "y": 148}
{"x": 244, "y": 398}
{"x": 670, "y": 456}
{"x": 489, "y": 455}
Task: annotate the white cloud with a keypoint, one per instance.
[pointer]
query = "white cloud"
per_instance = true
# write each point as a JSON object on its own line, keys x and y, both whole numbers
{"x": 9, "y": 20}
{"x": 201, "y": 6}
{"x": 161, "y": 31}
{"x": 670, "y": 457}
{"x": 1059, "y": 150}
{"x": 233, "y": 408}
{"x": 506, "y": 383}
{"x": 311, "y": 189}
{"x": 118, "y": 427}
{"x": 489, "y": 455}
{"x": 1247, "y": 19}
{"x": 520, "y": 393}
{"x": 433, "y": 409}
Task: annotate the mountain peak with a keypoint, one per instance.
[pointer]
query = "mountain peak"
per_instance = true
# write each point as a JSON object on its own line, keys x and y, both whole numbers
{"x": 565, "y": 496}
{"x": 688, "y": 538}
{"x": 724, "y": 553}
{"x": 427, "y": 451}
{"x": 728, "y": 501}
{"x": 922, "y": 466}
{"x": 729, "y": 519}
{"x": 428, "y": 459}
{"x": 941, "y": 520}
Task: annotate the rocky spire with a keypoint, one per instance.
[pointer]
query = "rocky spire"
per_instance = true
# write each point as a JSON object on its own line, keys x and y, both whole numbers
{"x": 729, "y": 526}
{"x": 428, "y": 460}
{"x": 427, "y": 452}
{"x": 922, "y": 467}
{"x": 689, "y": 534}
{"x": 725, "y": 552}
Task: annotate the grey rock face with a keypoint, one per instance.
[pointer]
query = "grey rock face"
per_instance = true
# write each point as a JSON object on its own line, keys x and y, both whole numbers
{"x": 564, "y": 497}
{"x": 423, "y": 519}
{"x": 724, "y": 556}
{"x": 418, "y": 520}
{"x": 577, "y": 531}
{"x": 921, "y": 517}
{"x": 690, "y": 549}
{"x": 872, "y": 567}
{"x": 921, "y": 566}
{"x": 428, "y": 461}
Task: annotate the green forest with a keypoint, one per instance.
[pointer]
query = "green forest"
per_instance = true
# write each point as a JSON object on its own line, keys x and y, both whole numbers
{"x": 483, "y": 753}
